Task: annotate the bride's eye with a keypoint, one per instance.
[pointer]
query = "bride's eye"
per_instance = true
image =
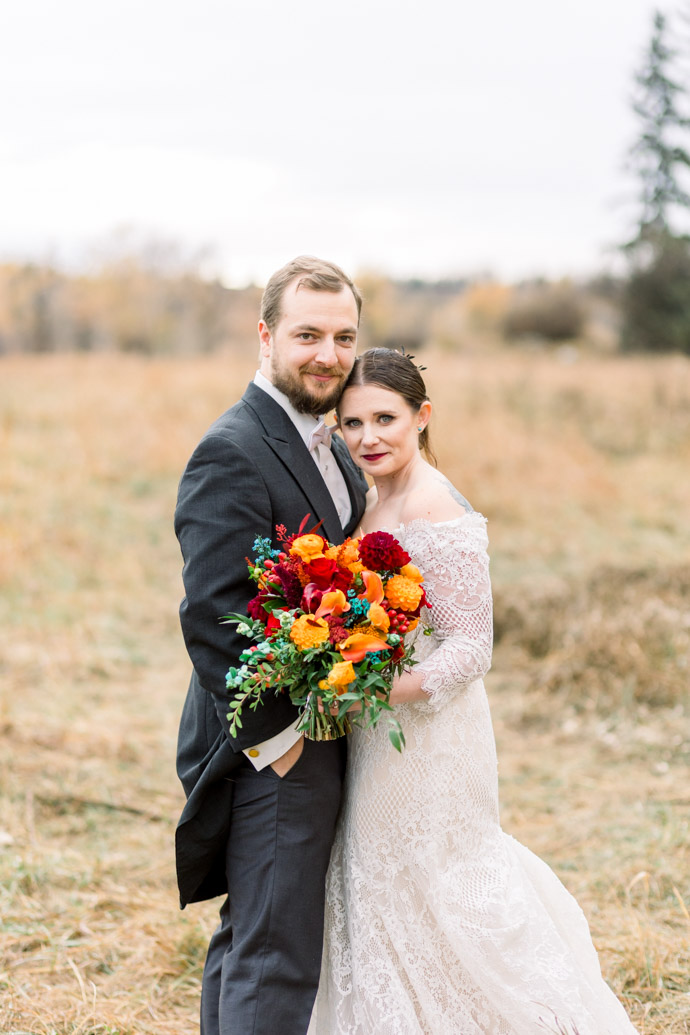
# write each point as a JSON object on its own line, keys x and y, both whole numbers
{"x": 386, "y": 418}
{"x": 352, "y": 422}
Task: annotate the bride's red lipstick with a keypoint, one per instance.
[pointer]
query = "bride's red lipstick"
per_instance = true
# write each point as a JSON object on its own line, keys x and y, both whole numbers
{"x": 372, "y": 456}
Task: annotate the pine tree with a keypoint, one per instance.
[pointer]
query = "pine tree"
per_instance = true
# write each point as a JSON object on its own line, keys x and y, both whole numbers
{"x": 657, "y": 155}
{"x": 656, "y": 300}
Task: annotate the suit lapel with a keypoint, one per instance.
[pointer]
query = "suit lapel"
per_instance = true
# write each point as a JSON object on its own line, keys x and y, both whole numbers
{"x": 281, "y": 435}
{"x": 354, "y": 479}
{"x": 296, "y": 458}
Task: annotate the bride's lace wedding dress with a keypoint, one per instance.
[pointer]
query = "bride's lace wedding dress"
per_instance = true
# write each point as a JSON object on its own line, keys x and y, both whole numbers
{"x": 436, "y": 921}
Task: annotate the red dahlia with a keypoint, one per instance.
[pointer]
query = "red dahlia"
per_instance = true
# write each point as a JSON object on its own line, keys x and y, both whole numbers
{"x": 381, "y": 551}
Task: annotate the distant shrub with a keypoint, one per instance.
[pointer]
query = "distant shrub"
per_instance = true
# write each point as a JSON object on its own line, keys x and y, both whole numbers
{"x": 552, "y": 312}
{"x": 619, "y": 639}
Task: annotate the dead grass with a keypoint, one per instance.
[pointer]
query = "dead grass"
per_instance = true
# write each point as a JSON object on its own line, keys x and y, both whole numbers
{"x": 582, "y": 471}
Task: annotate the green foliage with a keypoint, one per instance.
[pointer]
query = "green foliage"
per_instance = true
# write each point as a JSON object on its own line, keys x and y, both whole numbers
{"x": 656, "y": 300}
{"x": 658, "y": 155}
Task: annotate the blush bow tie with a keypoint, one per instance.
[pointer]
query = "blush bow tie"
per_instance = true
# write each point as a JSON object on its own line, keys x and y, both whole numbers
{"x": 321, "y": 435}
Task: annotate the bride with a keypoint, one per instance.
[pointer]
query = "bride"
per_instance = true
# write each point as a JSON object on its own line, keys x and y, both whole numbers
{"x": 437, "y": 922}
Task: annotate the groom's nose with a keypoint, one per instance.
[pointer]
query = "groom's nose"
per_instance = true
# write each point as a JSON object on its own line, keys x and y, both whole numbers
{"x": 326, "y": 354}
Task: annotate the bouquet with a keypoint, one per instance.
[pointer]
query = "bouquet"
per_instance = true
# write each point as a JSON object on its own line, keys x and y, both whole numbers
{"x": 328, "y": 625}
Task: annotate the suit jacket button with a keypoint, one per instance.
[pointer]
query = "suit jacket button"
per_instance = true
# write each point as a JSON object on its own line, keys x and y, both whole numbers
{"x": 253, "y": 753}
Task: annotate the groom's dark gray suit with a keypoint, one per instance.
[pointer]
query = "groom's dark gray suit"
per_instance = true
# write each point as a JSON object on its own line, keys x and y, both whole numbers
{"x": 250, "y": 472}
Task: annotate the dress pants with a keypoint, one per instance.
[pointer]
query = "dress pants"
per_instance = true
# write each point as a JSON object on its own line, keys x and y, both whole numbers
{"x": 264, "y": 959}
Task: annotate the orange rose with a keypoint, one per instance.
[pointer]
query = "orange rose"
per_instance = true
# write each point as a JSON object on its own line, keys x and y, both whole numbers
{"x": 307, "y": 547}
{"x": 341, "y": 675}
{"x": 379, "y": 618}
{"x": 411, "y": 571}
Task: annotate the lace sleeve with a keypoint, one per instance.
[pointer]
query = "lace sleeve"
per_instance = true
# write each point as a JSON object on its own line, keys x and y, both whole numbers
{"x": 454, "y": 560}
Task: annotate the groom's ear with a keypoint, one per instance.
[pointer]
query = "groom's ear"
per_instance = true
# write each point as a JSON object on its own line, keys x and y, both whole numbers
{"x": 265, "y": 339}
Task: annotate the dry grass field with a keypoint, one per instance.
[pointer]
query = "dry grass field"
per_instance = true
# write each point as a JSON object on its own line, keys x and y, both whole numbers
{"x": 581, "y": 467}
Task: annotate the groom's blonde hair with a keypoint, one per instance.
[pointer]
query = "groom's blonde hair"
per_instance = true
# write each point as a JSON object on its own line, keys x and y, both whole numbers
{"x": 310, "y": 272}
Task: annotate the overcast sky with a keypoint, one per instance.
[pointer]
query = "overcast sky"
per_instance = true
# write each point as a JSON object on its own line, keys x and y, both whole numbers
{"x": 428, "y": 138}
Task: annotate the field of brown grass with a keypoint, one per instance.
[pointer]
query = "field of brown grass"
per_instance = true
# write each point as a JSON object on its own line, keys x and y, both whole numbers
{"x": 582, "y": 469}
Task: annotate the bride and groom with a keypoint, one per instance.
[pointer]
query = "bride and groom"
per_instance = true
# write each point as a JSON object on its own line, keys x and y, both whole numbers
{"x": 431, "y": 919}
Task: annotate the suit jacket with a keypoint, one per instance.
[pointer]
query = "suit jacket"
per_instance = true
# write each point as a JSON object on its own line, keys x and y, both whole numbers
{"x": 250, "y": 472}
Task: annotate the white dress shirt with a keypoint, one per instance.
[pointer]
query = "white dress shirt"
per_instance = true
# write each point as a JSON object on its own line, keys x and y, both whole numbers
{"x": 269, "y": 750}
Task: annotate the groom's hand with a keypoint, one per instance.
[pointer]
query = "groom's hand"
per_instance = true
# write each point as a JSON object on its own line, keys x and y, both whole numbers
{"x": 284, "y": 764}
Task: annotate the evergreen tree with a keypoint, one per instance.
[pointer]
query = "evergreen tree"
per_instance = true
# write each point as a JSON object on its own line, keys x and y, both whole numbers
{"x": 656, "y": 300}
{"x": 657, "y": 155}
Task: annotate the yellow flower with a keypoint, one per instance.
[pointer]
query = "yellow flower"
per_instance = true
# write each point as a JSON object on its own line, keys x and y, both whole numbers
{"x": 403, "y": 593}
{"x": 379, "y": 618}
{"x": 341, "y": 675}
{"x": 307, "y": 547}
{"x": 411, "y": 571}
{"x": 307, "y": 632}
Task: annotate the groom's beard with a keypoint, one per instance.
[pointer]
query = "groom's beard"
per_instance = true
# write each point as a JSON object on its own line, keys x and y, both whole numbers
{"x": 302, "y": 398}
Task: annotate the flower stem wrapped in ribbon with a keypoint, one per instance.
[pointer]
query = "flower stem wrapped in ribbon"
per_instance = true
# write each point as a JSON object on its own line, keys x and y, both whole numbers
{"x": 329, "y": 626}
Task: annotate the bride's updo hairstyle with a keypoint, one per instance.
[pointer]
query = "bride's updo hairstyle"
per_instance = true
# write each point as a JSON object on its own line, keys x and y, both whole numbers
{"x": 395, "y": 371}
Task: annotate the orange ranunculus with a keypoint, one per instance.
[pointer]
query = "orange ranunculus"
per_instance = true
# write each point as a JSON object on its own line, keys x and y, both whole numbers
{"x": 334, "y": 603}
{"x": 411, "y": 571}
{"x": 355, "y": 647}
{"x": 373, "y": 586}
{"x": 307, "y": 547}
{"x": 403, "y": 593}
{"x": 379, "y": 618}
{"x": 414, "y": 622}
{"x": 308, "y": 631}
{"x": 341, "y": 675}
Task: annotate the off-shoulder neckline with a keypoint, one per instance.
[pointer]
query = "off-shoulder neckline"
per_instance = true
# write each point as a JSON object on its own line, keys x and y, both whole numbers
{"x": 427, "y": 522}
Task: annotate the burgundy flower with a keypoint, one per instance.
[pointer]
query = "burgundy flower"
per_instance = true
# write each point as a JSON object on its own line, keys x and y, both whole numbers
{"x": 336, "y": 629}
{"x": 311, "y": 598}
{"x": 255, "y": 608}
{"x": 289, "y": 580}
{"x": 381, "y": 551}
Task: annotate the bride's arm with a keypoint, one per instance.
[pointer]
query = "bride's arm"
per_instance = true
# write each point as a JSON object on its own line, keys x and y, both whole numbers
{"x": 456, "y": 570}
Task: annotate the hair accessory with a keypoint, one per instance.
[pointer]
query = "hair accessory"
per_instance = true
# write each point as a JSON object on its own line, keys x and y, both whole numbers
{"x": 408, "y": 356}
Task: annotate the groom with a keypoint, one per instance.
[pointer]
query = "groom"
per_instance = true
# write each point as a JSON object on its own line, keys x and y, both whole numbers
{"x": 261, "y": 806}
